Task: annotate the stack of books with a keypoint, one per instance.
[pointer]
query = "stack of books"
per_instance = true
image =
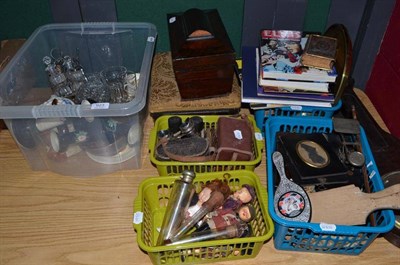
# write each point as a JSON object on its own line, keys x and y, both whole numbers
{"x": 281, "y": 76}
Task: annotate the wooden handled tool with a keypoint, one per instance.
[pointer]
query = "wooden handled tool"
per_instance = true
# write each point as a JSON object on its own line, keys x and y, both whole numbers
{"x": 348, "y": 205}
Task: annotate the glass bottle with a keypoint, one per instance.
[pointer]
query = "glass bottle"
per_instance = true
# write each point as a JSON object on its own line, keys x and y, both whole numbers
{"x": 178, "y": 203}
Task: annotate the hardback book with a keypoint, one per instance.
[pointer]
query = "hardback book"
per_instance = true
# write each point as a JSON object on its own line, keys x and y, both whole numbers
{"x": 280, "y": 50}
{"x": 250, "y": 85}
{"x": 272, "y": 106}
{"x": 283, "y": 92}
{"x": 304, "y": 74}
{"x": 280, "y": 55}
{"x": 320, "y": 52}
{"x": 304, "y": 85}
{"x": 263, "y": 102}
{"x": 291, "y": 84}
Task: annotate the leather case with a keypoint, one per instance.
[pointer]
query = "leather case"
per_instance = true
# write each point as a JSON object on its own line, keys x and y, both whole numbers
{"x": 235, "y": 139}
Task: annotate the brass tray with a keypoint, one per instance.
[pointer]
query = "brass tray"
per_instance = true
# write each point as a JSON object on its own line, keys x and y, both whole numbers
{"x": 344, "y": 56}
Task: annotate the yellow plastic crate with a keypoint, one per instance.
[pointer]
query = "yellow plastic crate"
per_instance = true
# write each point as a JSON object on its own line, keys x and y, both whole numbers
{"x": 166, "y": 168}
{"x": 150, "y": 205}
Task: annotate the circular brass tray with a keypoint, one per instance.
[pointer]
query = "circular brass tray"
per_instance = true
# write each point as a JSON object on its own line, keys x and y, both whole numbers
{"x": 344, "y": 53}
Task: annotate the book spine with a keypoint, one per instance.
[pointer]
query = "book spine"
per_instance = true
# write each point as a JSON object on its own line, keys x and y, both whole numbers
{"x": 309, "y": 86}
{"x": 299, "y": 96}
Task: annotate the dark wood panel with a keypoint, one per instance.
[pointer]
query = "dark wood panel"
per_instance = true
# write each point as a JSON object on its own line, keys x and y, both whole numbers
{"x": 65, "y": 11}
{"x": 367, "y": 45}
{"x": 271, "y": 14}
{"x": 98, "y": 10}
{"x": 348, "y": 13}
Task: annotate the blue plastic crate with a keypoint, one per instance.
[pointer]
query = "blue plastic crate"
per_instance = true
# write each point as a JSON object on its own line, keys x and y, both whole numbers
{"x": 293, "y": 111}
{"x": 318, "y": 237}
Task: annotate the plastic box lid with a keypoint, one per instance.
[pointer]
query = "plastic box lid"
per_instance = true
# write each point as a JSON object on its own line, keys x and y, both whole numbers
{"x": 24, "y": 84}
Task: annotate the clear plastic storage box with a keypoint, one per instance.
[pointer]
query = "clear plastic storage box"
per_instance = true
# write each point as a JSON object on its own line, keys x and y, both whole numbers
{"x": 97, "y": 132}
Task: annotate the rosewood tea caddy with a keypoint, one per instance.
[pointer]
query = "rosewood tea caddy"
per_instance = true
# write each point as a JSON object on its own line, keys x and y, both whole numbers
{"x": 202, "y": 54}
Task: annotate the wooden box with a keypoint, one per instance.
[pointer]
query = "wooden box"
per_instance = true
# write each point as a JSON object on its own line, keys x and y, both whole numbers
{"x": 203, "y": 58}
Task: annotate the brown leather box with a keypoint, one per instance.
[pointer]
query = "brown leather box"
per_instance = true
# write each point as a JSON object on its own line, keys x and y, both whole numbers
{"x": 202, "y": 54}
{"x": 235, "y": 139}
